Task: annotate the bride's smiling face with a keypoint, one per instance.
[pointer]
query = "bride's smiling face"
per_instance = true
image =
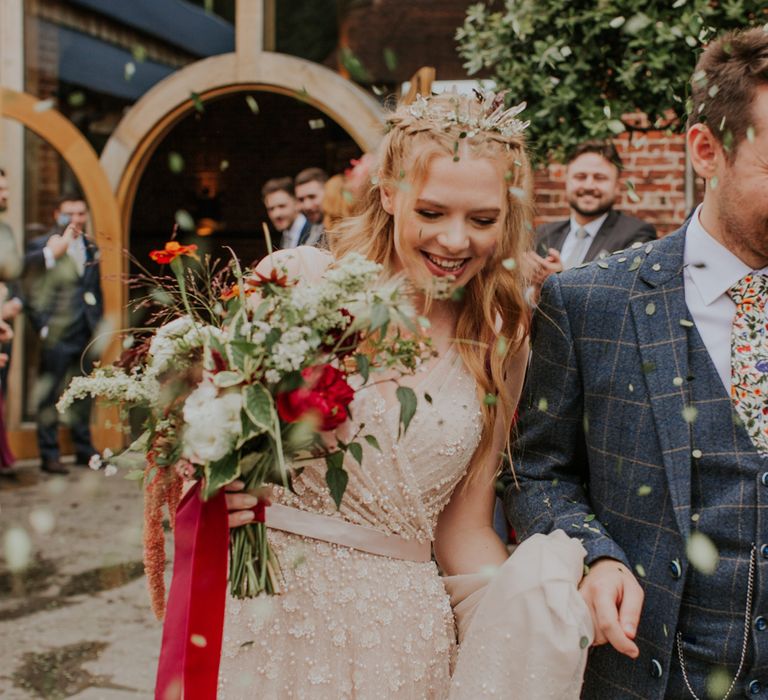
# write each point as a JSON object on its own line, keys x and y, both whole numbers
{"x": 451, "y": 224}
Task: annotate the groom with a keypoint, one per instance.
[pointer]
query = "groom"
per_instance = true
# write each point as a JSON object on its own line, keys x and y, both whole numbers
{"x": 644, "y": 423}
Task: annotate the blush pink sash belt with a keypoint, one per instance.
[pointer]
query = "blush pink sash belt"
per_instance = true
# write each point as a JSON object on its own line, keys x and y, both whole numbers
{"x": 337, "y": 531}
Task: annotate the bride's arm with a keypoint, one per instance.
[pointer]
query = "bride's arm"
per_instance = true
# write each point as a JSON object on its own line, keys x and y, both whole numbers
{"x": 465, "y": 541}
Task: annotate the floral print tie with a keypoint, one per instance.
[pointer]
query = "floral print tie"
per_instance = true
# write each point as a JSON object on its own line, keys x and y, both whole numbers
{"x": 749, "y": 356}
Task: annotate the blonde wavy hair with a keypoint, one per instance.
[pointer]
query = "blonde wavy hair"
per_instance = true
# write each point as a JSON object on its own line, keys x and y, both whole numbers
{"x": 493, "y": 315}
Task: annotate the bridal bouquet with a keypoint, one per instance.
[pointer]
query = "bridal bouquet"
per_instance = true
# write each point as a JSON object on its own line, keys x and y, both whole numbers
{"x": 245, "y": 380}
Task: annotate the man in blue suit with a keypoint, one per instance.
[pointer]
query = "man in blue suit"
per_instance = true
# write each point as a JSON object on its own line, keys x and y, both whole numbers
{"x": 65, "y": 306}
{"x": 644, "y": 423}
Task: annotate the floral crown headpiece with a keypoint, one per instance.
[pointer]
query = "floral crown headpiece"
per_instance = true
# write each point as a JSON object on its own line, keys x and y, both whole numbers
{"x": 493, "y": 116}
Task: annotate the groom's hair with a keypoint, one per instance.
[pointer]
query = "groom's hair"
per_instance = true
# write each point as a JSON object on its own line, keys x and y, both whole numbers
{"x": 724, "y": 84}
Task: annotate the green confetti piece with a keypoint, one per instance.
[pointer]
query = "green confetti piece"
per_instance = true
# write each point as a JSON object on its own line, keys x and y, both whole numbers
{"x": 543, "y": 404}
{"x": 644, "y": 490}
{"x": 650, "y": 308}
{"x": 253, "y": 105}
{"x": 690, "y": 413}
{"x": 509, "y": 264}
{"x": 696, "y": 454}
{"x": 184, "y": 220}
{"x": 685, "y": 323}
{"x": 702, "y": 553}
{"x": 390, "y": 59}
{"x": 76, "y": 99}
{"x": 640, "y": 569}
{"x": 175, "y": 162}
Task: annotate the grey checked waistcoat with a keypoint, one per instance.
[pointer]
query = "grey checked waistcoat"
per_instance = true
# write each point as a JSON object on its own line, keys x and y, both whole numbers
{"x": 729, "y": 501}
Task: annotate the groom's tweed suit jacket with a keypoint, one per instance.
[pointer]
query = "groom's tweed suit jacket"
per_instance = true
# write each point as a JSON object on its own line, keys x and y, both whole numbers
{"x": 606, "y": 450}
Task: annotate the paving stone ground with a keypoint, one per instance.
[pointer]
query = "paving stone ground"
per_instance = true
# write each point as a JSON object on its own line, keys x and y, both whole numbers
{"x": 77, "y": 622}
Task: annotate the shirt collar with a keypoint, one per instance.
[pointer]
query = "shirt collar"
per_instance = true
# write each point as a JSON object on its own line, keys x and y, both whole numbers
{"x": 591, "y": 227}
{"x": 712, "y": 267}
{"x": 298, "y": 223}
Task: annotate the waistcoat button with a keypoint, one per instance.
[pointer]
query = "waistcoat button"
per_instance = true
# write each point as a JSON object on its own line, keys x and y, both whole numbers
{"x": 656, "y": 669}
{"x": 754, "y": 687}
{"x": 764, "y": 551}
{"x": 761, "y": 624}
{"x": 764, "y": 479}
{"x": 675, "y": 569}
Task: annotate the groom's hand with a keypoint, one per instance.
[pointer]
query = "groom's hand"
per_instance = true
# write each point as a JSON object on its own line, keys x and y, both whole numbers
{"x": 614, "y": 599}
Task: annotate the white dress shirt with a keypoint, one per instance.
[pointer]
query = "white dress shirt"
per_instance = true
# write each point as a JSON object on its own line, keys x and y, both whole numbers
{"x": 291, "y": 235}
{"x": 710, "y": 271}
{"x": 571, "y": 241}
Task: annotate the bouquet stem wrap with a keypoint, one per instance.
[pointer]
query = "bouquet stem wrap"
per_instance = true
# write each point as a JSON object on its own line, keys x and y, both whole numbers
{"x": 194, "y": 621}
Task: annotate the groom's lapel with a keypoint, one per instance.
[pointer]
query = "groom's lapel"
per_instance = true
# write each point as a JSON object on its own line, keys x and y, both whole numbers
{"x": 662, "y": 323}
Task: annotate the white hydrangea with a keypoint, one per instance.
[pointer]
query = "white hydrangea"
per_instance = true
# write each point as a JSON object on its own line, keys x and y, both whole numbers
{"x": 111, "y": 385}
{"x": 212, "y": 423}
{"x": 354, "y": 273}
{"x": 290, "y": 352}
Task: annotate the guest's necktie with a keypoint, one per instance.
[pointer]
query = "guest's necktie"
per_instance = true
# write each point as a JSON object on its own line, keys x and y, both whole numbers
{"x": 579, "y": 249}
{"x": 749, "y": 356}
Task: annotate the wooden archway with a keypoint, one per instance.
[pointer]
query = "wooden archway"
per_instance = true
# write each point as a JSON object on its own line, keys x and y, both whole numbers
{"x": 143, "y": 128}
{"x": 70, "y": 143}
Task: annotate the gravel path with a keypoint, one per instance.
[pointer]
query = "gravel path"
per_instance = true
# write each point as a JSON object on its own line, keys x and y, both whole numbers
{"x": 76, "y": 623}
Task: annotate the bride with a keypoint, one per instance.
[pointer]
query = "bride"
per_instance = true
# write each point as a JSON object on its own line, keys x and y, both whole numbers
{"x": 365, "y": 612}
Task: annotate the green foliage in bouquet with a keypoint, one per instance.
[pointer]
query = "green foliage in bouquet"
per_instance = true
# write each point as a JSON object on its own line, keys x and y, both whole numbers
{"x": 582, "y": 65}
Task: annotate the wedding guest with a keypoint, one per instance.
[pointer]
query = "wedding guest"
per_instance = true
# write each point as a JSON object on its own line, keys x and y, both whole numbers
{"x": 364, "y": 613}
{"x": 309, "y": 186}
{"x": 12, "y": 266}
{"x": 595, "y": 228}
{"x": 65, "y": 307}
{"x": 283, "y": 211}
{"x": 6, "y": 455}
{"x": 643, "y": 427}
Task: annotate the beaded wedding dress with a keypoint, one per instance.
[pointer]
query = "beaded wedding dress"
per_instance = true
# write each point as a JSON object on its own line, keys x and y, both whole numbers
{"x": 356, "y": 624}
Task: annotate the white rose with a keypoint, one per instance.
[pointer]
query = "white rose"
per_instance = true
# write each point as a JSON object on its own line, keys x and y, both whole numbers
{"x": 213, "y": 423}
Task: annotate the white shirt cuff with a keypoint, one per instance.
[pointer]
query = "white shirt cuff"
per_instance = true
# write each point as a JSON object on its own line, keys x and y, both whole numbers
{"x": 50, "y": 261}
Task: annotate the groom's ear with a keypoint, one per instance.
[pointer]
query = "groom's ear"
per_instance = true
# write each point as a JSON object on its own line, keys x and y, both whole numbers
{"x": 705, "y": 151}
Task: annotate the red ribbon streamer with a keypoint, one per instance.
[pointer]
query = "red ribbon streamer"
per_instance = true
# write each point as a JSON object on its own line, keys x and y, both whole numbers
{"x": 194, "y": 620}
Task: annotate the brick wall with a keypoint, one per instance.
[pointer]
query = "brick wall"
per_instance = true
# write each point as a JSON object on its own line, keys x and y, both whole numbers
{"x": 654, "y": 163}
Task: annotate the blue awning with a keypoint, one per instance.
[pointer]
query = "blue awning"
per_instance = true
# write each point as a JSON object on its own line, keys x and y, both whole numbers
{"x": 101, "y": 67}
{"x": 174, "y": 21}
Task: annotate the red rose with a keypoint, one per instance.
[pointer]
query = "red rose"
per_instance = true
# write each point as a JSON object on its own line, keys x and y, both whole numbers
{"x": 325, "y": 394}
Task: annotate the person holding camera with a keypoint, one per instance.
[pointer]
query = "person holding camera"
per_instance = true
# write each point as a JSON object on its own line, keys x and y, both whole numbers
{"x": 65, "y": 306}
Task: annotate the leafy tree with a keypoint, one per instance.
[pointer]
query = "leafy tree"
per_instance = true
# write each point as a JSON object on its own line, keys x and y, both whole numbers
{"x": 584, "y": 65}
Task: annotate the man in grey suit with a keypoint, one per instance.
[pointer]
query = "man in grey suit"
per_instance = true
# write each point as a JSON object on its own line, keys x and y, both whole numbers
{"x": 643, "y": 427}
{"x": 595, "y": 228}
